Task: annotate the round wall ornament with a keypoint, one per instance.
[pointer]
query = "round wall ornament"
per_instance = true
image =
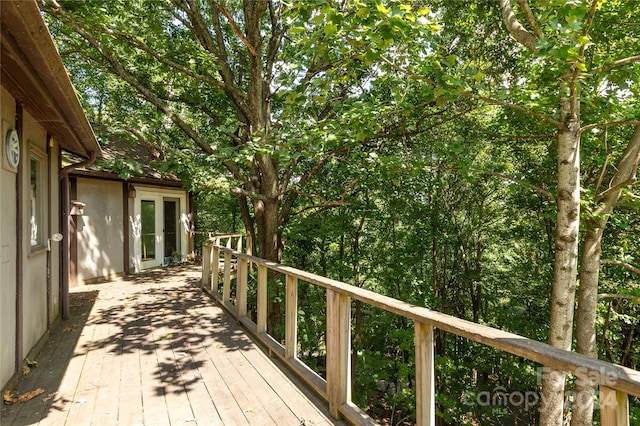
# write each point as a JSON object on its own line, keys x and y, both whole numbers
{"x": 12, "y": 148}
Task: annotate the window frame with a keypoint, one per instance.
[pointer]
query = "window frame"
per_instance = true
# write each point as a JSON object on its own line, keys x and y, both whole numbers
{"x": 36, "y": 199}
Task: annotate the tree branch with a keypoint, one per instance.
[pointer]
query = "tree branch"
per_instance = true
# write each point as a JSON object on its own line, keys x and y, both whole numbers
{"x": 176, "y": 66}
{"x": 616, "y": 64}
{"x": 148, "y": 94}
{"x": 576, "y": 70}
{"x": 216, "y": 47}
{"x": 617, "y": 187}
{"x": 535, "y": 188}
{"x": 516, "y": 29}
{"x": 609, "y": 123}
{"x": 618, "y": 296}
{"x": 627, "y": 266}
{"x": 625, "y": 174}
{"x": 514, "y": 137}
{"x": 234, "y": 26}
{"x": 327, "y": 204}
{"x": 155, "y": 151}
{"x": 287, "y": 205}
{"x": 530, "y": 18}
{"x": 468, "y": 94}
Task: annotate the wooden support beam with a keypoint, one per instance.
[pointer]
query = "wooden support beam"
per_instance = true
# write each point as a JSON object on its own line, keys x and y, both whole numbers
{"x": 614, "y": 407}
{"x": 241, "y": 289}
{"x": 338, "y": 351}
{"x": 226, "y": 283}
{"x": 291, "y": 318}
{"x": 261, "y": 323}
{"x": 215, "y": 269}
{"x": 206, "y": 265}
{"x": 425, "y": 380}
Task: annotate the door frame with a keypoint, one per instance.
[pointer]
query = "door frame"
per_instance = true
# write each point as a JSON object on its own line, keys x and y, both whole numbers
{"x": 159, "y": 196}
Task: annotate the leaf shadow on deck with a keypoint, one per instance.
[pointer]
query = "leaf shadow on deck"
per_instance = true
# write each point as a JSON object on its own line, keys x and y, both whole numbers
{"x": 163, "y": 318}
{"x": 52, "y": 360}
{"x": 180, "y": 325}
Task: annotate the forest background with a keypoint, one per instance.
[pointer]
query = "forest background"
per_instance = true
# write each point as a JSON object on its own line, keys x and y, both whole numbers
{"x": 473, "y": 157}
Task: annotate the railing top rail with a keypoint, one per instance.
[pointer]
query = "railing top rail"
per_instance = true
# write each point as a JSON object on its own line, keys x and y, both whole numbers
{"x": 601, "y": 372}
{"x": 213, "y": 236}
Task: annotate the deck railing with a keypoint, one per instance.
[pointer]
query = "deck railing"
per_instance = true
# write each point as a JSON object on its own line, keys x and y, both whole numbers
{"x": 224, "y": 257}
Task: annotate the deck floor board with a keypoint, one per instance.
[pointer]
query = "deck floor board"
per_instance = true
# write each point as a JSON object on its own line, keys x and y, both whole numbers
{"x": 155, "y": 350}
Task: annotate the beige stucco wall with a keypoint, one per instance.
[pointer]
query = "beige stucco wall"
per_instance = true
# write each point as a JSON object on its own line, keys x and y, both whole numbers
{"x": 34, "y": 258}
{"x": 54, "y": 213}
{"x": 7, "y": 248}
{"x": 100, "y": 230}
{"x": 38, "y": 309}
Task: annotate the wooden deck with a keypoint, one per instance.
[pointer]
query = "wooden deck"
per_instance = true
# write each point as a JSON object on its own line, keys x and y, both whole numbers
{"x": 155, "y": 350}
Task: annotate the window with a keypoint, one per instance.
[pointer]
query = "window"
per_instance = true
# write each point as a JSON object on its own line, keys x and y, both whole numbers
{"x": 36, "y": 187}
{"x": 148, "y": 219}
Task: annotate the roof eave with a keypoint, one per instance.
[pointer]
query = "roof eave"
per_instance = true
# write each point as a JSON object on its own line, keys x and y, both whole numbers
{"x": 34, "y": 74}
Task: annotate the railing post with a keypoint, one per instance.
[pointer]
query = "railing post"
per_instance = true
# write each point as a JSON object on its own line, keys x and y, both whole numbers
{"x": 206, "y": 264}
{"x": 291, "y": 318}
{"x": 226, "y": 283}
{"x": 261, "y": 323}
{"x": 239, "y": 244}
{"x": 614, "y": 407}
{"x": 241, "y": 288}
{"x": 338, "y": 340}
{"x": 215, "y": 268}
{"x": 425, "y": 380}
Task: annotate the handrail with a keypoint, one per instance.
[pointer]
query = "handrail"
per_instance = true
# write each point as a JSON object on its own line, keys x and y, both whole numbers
{"x": 616, "y": 382}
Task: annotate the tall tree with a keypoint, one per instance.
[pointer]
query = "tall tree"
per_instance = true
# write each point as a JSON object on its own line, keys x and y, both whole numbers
{"x": 572, "y": 66}
{"x": 256, "y": 85}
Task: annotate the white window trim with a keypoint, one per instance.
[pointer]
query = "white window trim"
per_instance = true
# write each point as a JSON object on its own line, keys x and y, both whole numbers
{"x": 39, "y": 206}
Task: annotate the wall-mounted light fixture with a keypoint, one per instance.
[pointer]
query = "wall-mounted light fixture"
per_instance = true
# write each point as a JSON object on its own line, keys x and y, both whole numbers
{"x": 77, "y": 208}
{"x": 132, "y": 191}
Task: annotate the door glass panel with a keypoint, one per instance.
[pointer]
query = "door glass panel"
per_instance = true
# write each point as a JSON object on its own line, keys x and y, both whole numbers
{"x": 171, "y": 240}
{"x": 148, "y": 222}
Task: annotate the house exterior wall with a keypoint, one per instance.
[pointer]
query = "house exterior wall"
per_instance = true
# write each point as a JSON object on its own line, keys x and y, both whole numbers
{"x": 29, "y": 295}
{"x": 8, "y": 238}
{"x": 34, "y": 255}
{"x": 54, "y": 221}
{"x": 100, "y": 230}
{"x": 39, "y": 102}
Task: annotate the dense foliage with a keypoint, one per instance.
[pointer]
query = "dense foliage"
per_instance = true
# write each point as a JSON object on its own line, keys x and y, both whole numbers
{"x": 417, "y": 149}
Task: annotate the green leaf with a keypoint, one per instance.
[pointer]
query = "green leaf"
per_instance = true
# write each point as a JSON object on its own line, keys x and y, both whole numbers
{"x": 330, "y": 29}
{"x": 382, "y": 9}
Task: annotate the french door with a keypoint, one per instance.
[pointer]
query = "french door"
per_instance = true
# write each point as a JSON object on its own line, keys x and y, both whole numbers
{"x": 159, "y": 230}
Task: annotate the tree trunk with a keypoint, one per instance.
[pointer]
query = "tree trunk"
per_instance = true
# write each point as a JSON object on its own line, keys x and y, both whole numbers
{"x": 270, "y": 248}
{"x": 589, "y": 275}
{"x": 566, "y": 257}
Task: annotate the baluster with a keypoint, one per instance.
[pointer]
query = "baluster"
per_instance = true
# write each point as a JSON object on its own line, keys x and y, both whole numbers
{"x": 226, "y": 283}
{"x": 261, "y": 323}
{"x": 206, "y": 264}
{"x": 614, "y": 407}
{"x": 241, "y": 290}
{"x": 425, "y": 380}
{"x": 215, "y": 268}
{"x": 291, "y": 318}
{"x": 338, "y": 341}
{"x": 239, "y": 244}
